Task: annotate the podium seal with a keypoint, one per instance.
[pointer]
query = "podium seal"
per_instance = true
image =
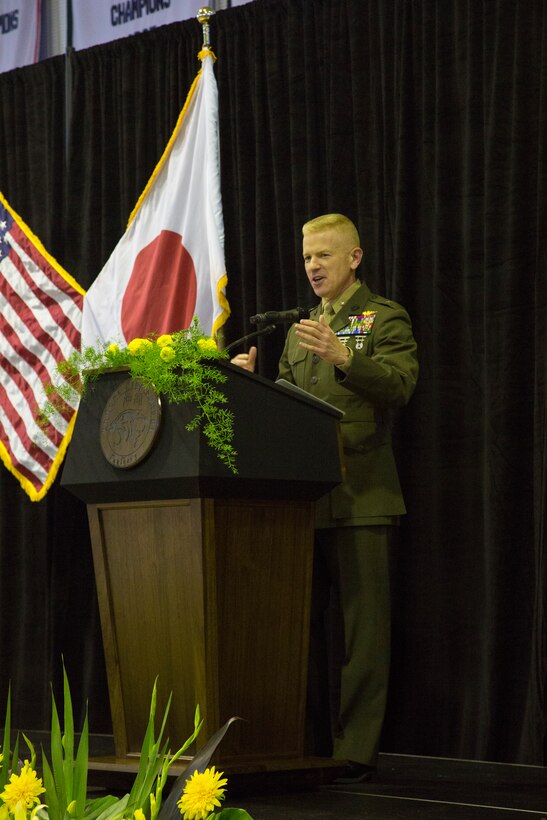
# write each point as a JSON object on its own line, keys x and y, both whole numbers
{"x": 130, "y": 424}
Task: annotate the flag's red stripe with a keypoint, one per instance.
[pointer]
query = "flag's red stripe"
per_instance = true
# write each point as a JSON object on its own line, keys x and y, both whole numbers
{"x": 33, "y": 326}
{"x": 36, "y": 482}
{"x": 29, "y": 361}
{"x": 28, "y": 392}
{"x": 54, "y": 308}
{"x": 48, "y": 270}
{"x": 18, "y": 424}
{"x": 18, "y": 421}
{"x": 22, "y": 379}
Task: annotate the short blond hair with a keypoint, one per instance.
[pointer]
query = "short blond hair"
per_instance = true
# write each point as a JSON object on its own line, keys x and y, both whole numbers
{"x": 336, "y": 221}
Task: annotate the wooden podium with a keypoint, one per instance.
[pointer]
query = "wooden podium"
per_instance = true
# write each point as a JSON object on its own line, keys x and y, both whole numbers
{"x": 203, "y": 577}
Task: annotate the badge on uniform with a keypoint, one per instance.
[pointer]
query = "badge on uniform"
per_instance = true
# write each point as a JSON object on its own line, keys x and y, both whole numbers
{"x": 359, "y": 325}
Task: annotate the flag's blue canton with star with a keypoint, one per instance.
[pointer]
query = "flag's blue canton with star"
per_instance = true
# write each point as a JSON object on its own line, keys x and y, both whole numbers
{"x": 6, "y": 221}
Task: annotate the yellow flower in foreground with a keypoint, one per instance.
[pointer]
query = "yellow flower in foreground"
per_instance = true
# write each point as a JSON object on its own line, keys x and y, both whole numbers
{"x": 202, "y": 794}
{"x": 113, "y": 348}
{"x": 22, "y": 789}
{"x": 137, "y": 345}
{"x": 167, "y": 354}
{"x": 207, "y": 344}
{"x": 139, "y": 815}
{"x": 165, "y": 340}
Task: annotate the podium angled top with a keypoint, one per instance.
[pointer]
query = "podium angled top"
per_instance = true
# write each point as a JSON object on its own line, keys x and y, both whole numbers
{"x": 287, "y": 444}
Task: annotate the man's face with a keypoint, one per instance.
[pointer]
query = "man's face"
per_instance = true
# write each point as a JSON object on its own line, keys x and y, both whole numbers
{"x": 330, "y": 261}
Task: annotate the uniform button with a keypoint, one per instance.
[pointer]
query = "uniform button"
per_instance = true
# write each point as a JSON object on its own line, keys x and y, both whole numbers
{"x": 315, "y": 358}
{"x": 314, "y": 380}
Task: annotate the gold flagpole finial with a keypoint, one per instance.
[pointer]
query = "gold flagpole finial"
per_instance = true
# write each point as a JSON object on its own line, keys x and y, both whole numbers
{"x": 203, "y": 16}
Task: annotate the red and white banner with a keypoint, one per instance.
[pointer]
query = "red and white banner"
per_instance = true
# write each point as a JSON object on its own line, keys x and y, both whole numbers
{"x": 99, "y": 21}
{"x": 169, "y": 265}
{"x": 40, "y": 321}
{"x": 19, "y": 33}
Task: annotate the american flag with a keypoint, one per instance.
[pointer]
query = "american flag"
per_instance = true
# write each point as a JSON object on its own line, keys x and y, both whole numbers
{"x": 40, "y": 322}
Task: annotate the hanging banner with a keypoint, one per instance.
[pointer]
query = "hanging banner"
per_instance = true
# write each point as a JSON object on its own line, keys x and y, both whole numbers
{"x": 19, "y": 33}
{"x": 103, "y": 20}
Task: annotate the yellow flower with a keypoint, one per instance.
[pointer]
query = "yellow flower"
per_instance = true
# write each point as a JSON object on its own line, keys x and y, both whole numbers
{"x": 202, "y": 794}
{"x": 164, "y": 340}
{"x": 207, "y": 344}
{"x": 139, "y": 815}
{"x": 112, "y": 349}
{"x": 22, "y": 789}
{"x": 137, "y": 345}
{"x": 167, "y": 354}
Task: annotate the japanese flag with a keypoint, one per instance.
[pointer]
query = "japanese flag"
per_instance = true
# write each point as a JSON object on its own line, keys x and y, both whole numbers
{"x": 169, "y": 265}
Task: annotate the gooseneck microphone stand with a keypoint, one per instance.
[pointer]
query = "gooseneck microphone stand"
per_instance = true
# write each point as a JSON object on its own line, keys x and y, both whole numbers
{"x": 263, "y": 331}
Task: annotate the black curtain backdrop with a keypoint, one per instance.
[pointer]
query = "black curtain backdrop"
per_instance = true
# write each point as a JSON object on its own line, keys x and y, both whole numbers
{"x": 426, "y": 123}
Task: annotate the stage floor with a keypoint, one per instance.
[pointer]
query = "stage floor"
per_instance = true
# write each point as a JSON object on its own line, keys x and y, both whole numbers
{"x": 406, "y": 788}
{"x": 411, "y": 788}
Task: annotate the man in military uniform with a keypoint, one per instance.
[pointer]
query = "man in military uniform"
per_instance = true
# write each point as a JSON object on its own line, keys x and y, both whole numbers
{"x": 357, "y": 352}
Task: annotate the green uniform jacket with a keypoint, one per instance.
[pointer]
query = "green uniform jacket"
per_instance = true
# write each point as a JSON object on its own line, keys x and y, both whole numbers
{"x": 381, "y": 378}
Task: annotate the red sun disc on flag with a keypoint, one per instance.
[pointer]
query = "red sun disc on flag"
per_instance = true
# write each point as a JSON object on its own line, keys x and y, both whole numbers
{"x": 160, "y": 296}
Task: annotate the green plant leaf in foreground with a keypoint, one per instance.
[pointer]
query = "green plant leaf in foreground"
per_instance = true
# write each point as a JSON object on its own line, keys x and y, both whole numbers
{"x": 6, "y": 744}
{"x": 65, "y": 777}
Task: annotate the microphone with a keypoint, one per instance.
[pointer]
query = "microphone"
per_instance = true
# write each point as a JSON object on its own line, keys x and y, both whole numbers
{"x": 293, "y": 315}
{"x": 263, "y": 331}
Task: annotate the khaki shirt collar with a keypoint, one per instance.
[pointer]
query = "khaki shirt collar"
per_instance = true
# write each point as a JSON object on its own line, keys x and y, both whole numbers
{"x": 338, "y": 303}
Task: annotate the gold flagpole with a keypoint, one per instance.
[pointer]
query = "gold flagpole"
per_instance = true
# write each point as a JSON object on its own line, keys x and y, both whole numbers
{"x": 204, "y": 15}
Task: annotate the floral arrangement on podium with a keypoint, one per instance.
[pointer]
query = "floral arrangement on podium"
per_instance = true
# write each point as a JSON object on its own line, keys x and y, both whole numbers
{"x": 61, "y": 792}
{"x": 178, "y": 366}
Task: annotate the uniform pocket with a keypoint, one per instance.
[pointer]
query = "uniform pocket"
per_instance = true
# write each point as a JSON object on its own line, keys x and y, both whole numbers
{"x": 296, "y": 355}
{"x": 361, "y": 436}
